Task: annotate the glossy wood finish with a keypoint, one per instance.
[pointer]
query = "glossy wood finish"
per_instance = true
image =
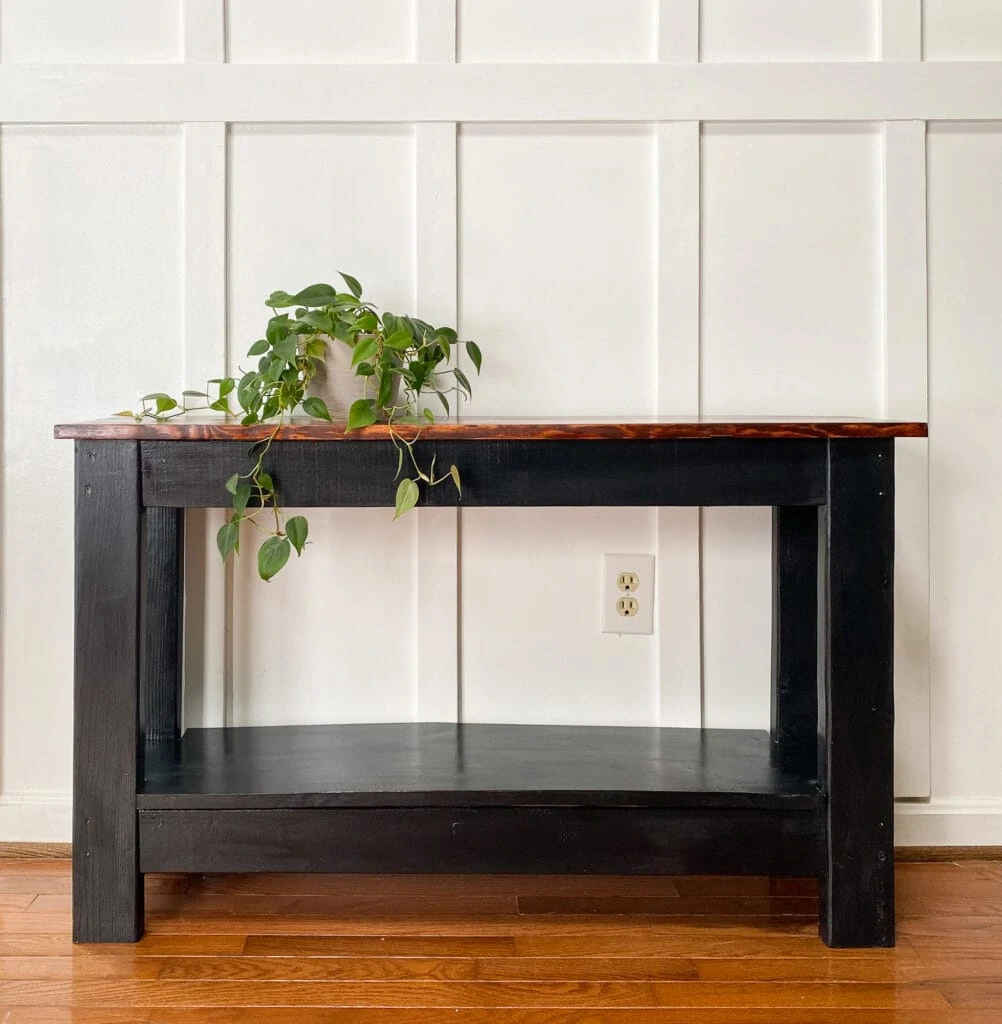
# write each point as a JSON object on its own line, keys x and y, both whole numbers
{"x": 531, "y": 949}
{"x": 193, "y": 427}
{"x": 107, "y": 762}
{"x": 448, "y": 765}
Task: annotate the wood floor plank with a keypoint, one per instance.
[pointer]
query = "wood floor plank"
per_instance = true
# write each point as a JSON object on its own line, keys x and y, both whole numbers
{"x": 437, "y": 885}
{"x": 901, "y": 965}
{"x": 64, "y": 1015}
{"x": 681, "y": 906}
{"x": 445, "y": 994}
{"x": 748, "y": 885}
{"x": 794, "y": 995}
{"x": 379, "y": 945}
{"x": 61, "y": 944}
{"x": 82, "y": 968}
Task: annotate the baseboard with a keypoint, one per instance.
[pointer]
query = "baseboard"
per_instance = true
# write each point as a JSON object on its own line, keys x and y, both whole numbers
{"x": 944, "y": 829}
{"x": 36, "y": 817}
{"x": 35, "y": 851}
{"x": 965, "y": 824}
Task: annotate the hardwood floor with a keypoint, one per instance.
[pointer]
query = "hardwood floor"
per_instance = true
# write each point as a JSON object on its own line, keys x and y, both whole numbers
{"x": 320, "y": 949}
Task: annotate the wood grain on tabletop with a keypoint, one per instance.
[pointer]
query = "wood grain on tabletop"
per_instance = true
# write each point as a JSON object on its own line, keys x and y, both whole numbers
{"x": 321, "y": 949}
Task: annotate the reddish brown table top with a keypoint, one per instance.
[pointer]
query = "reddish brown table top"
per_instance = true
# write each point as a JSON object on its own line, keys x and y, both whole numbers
{"x": 217, "y": 428}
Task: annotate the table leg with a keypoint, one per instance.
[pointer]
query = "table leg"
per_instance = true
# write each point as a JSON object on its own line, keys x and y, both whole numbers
{"x": 795, "y": 631}
{"x": 107, "y": 885}
{"x": 160, "y": 690}
{"x": 857, "y": 672}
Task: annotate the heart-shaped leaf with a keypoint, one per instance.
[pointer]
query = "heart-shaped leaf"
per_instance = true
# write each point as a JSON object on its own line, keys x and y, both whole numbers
{"x": 407, "y": 496}
{"x": 317, "y": 408}
{"x": 297, "y": 529}
{"x": 362, "y": 413}
{"x": 272, "y": 555}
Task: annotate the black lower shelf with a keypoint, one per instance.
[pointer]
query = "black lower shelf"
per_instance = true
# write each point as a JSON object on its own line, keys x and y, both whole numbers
{"x": 447, "y": 765}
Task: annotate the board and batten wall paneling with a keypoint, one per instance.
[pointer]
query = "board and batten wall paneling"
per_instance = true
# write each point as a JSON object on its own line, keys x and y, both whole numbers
{"x": 751, "y": 268}
{"x": 92, "y": 296}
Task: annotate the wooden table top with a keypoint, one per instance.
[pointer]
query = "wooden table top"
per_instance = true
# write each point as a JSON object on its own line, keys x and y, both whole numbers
{"x": 194, "y": 427}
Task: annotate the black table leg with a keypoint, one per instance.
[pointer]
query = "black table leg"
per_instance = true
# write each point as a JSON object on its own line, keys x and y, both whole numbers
{"x": 107, "y": 885}
{"x": 857, "y": 670}
{"x": 794, "y": 631}
{"x": 160, "y": 691}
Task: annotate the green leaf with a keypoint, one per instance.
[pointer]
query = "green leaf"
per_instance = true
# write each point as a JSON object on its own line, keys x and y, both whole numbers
{"x": 272, "y": 555}
{"x": 364, "y": 370}
{"x": 407, "y": 496}
{"x": 364, "y": 350}
{"x": 265, "y": 482}
{"x": 444, "y": 401}
{"x": 463, "y": 380}
{"x": 362, "y": 413}
{"x": 241, "y": 497}
{"x": 165, "y": 404}
{"x": 385, "y": 394}
{"x": 448, "y": 333}
{"x": 454, "y": 473}
{"x": 231, "y": 484}
{"x": 125, "y": 412}
{"x": 317, "y": 408}
{"x": 366, "y": 322}
{"x": 473, "y": 351}
{"x": 400, "y": 461}
{"x": 154, "y": 397}
{"x": 228, "y": 539}
{"x": 297, "y": 529}
{"x": 249, "y": 419}
{"x": 353, "y": 286}
{"x": 317, "y": 348}
{"x": 226, "y": 385}
{"x": 389, "y": 323}
{"x": 195, "y": 394}
{"x": 315, "y": 295}
{"x": 429, "y": 415}
{"x": 278, "y": 328}
{"x": 318, "y": 319}
{"x": 220, "y": 405}
{"x": 400, "y": 340}
{"x": 279, "y": 300}
{"x": 285, "y": 348}
{"x": 258, "y": 348}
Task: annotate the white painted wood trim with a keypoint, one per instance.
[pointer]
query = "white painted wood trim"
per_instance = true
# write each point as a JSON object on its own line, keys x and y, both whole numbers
{"x": 948, "y": 823}
{"x": 437, "y": 607}
{"x": 901, "y": 29}
{"x": 678, "y": 31}
{"x": 478, "y": 93}
{"x": 679, "y": 530}
{"x": 204, "y": 31}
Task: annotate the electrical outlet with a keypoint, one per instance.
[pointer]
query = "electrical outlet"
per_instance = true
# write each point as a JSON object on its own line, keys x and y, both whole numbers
{"x": 628, "y": 594}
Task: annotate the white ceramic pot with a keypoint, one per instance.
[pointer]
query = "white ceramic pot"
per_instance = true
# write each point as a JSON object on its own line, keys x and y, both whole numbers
{"x": 336, "y": 382}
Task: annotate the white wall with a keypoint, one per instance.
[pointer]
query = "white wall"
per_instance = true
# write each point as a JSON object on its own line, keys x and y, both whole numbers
{"x": 643, "y": 235}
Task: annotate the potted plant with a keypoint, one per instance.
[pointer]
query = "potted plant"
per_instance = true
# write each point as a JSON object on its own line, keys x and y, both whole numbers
{"x": 396, "y": 360}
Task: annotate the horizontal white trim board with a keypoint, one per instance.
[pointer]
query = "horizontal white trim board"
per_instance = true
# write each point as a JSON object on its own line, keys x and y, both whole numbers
{"x": 46, "y": 817}
{"x": 265, "y": 93}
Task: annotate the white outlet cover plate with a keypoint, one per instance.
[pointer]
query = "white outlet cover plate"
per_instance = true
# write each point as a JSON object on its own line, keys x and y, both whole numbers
{"x": 642, "y": 623}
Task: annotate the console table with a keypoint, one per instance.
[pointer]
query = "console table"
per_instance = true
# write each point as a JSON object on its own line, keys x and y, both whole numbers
{"x": 813, "y": 798}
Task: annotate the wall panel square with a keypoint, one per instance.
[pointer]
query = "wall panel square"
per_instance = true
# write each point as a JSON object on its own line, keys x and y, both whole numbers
{"x": 90, "y": 31}
{"x": 319, "y": 31}
{"x": 91, "y": 321}
{"x": 557, "y": 30}
{"x": 962, "y": 30}
{"x": 306, "y": 202}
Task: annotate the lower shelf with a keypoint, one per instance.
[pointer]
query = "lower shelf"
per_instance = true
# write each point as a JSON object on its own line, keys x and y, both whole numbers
{"x": 478, "y": 798}
{"x": 448, "y": 765}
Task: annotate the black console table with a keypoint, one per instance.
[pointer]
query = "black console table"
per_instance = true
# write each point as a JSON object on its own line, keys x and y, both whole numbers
{"x": 814, "y": 798}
